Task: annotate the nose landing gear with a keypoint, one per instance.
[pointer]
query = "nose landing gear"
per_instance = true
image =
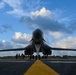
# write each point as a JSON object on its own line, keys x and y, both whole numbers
{"x": 35, "y": 57}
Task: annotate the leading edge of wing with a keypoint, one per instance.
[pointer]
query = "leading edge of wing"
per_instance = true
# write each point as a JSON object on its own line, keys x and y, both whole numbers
{"x": 17, "y": 49}
{"x": 63, "y": 49}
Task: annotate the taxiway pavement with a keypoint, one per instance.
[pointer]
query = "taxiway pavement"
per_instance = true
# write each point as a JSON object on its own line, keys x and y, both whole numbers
{"x": 19, "y": 67}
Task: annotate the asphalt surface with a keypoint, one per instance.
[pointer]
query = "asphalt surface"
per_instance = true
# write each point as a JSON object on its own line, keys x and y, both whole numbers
{"x": 14, "y": 67}
{"x": 63, "y": 67}
{"x": 19, "y": 67}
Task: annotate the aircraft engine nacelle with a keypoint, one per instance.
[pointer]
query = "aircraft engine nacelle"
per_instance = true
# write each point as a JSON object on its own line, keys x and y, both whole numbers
{"x": 47, "y": 50}
{"x": 28, "y": 51}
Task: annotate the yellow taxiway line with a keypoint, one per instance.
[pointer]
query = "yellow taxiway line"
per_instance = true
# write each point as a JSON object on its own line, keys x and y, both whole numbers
{"x": 39, "y": 68}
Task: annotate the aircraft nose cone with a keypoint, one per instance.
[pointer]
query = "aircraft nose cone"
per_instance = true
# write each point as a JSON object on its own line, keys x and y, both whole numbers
{"x": 37, "y": 36}
{"x": 37, "y": 33}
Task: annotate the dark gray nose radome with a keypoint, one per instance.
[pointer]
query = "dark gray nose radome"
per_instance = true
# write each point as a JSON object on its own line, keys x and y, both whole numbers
{"x": 37, "y": 33}
{"x": 37, "y": 36}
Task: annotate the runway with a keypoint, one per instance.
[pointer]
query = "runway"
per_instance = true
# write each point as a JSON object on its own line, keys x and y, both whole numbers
{"x": 63, "y": 67}
{"x": 19, "y": 67}
{"x": 14, "y": 67}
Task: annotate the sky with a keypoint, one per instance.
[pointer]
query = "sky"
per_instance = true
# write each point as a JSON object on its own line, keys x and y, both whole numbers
{"x": 56, "y": 18}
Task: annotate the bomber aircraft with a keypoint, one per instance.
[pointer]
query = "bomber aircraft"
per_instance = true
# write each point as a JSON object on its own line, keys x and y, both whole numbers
{"x": 37, "y": 44}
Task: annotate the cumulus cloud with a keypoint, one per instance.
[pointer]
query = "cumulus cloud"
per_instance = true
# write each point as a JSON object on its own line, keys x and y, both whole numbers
{"x": 44, "y": 19}
{"x": 56, "y": 35}
{"x": 21, "y": 38}
{"x": 18, "y": 6}
{"x": 69, "y": 42}
{"x": 5, "y": 44}
{"x": 43, "y": 12}
{"x": 9, "y": 45}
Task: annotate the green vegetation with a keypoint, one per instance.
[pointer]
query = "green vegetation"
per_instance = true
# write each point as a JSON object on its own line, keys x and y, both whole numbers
{"x": 49, "y": 57}
{"x": 62, "y": 57}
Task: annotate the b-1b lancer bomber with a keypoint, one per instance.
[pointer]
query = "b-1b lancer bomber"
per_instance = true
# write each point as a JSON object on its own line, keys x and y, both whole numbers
{"x": 37, "y": 44}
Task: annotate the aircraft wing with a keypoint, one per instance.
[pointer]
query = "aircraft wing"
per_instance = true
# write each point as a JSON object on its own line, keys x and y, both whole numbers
{"x": 17, "y": 49}
{"x": 63, "y": 49}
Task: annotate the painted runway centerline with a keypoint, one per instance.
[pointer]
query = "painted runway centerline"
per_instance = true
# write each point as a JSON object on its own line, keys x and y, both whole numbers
{"x": 19, "y": 67}
{"x": 39, "y": 68}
